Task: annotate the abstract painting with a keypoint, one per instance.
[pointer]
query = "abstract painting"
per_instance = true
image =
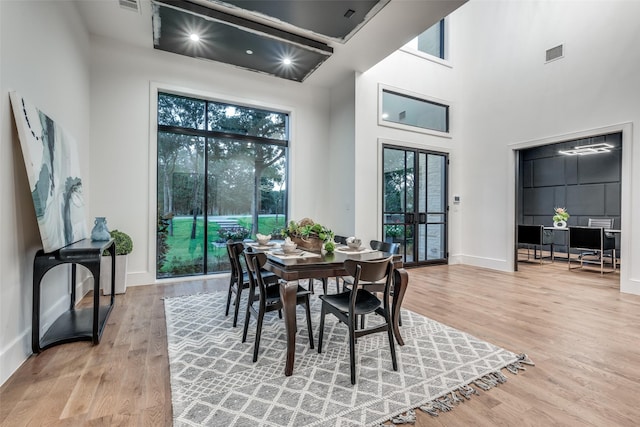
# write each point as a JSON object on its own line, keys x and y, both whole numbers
{"x": 51, "y": 159}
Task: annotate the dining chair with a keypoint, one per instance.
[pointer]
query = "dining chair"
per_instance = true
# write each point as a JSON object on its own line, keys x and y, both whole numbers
{"x": 267, "y": 298}
{"x": 377, "y": 287}
{"x": 594, "y": 239}
{"x": 239, "y": 278}
{"x": 358, "y": 301}
{"x": 536, "y": 236}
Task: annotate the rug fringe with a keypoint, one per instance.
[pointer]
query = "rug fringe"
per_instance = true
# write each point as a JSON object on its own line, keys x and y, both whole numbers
{"x": 449, "y": 401}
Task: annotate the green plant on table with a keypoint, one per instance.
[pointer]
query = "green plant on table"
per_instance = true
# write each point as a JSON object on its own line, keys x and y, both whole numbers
{"x": 307, "y": 229}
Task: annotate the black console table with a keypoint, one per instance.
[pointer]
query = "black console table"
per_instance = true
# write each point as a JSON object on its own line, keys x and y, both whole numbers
{"x": 85, "y": 324}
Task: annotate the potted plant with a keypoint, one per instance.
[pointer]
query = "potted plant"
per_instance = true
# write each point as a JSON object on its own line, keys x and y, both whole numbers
{"x": 560, "y": 217}
{"x": 308, "y": 234}
{"x": 124, "y": 246}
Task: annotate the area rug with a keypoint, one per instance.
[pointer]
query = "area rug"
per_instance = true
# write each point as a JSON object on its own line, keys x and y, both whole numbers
{"x": 215, "y": 383}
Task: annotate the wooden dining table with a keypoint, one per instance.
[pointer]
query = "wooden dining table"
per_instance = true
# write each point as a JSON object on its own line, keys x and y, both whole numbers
{"x": 323, "y": 266}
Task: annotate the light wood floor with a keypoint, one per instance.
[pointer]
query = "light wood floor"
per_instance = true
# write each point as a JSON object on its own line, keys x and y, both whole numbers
{"x": 582, "y": 333}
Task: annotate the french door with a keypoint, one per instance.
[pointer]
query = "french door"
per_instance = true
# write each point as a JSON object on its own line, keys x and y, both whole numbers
{"x": 415, "y": 206}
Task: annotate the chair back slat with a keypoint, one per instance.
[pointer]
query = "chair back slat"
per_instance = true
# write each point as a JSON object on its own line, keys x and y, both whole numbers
{"x": 601, "y": 222}
{"x": 392, "y": 248}
{"x": 234, "y": 251}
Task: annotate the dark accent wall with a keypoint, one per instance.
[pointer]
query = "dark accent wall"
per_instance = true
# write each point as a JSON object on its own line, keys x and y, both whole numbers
{"x": 587, "y": 186}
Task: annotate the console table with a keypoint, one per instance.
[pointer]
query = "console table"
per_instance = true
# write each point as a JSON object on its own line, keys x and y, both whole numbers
{"x": 84, "y": 324}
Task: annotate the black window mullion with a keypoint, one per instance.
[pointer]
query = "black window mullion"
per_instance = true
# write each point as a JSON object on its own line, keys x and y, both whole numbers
{"x": 205, "y": 201}
{"x": 222, "y": 135}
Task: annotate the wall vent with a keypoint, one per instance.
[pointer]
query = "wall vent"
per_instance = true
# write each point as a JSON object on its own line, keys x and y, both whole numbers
{"x": 555, "y": 53}
{"x": 133, "y": 5}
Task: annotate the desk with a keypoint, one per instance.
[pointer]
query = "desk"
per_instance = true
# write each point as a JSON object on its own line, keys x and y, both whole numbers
{"x": 84, "y": 324}
{"x": 610, "y": 231}
{"x": 323, "y": 267}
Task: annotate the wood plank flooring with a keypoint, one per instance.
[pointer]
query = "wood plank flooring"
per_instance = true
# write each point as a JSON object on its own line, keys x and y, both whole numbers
{"x": 583, "y": 335}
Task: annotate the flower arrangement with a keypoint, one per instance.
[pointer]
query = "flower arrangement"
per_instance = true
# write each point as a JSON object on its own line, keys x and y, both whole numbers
{"x": 307, "y": 229}
{"x": 561, "y": 214}
{"x": 308, "y": 234}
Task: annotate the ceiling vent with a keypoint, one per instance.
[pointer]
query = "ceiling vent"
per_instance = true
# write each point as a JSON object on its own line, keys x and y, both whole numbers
{"x": 132, "y": 5}
{"x": 555, "y": 53}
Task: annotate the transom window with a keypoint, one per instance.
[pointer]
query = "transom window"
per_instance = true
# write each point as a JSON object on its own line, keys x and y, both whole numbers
{"x": 412, "y": 112}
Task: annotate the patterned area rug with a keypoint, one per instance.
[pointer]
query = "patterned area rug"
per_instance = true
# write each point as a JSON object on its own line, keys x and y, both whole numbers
{"x": 215, "y": 383}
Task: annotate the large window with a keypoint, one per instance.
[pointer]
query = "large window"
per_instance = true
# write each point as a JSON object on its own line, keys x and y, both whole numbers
{"x": 222, "y": 173}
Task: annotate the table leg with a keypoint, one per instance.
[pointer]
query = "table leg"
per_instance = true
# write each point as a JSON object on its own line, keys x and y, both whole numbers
{"x": 400, "y": 282}
{"x": 288, "y": 292}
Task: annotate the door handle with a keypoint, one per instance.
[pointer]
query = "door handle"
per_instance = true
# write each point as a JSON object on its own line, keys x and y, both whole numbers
{"x": 422, "y": 218}
{"x": 409, "y": 218}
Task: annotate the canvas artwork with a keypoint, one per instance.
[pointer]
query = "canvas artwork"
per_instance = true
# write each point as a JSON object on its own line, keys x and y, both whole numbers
{"x": 51, "y": 159}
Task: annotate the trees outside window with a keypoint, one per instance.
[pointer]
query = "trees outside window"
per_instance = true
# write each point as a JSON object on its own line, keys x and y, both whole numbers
{"x": 221, "y": 174}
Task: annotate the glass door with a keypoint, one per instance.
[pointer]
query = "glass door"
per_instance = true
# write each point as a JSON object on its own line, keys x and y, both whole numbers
{"x": 415, "y": 203}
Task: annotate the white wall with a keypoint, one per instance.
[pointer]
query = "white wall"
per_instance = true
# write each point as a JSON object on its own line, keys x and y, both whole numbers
{"x": 341, "y": 176}
{"x": 414, "y": 74}
{"x": 511, "y": 96}
{"x": 123, "y": 135}
{"x": 44, "y": 55}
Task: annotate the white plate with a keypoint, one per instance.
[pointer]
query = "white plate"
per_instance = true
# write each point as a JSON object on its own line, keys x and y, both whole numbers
{"x": 348, "y": 249}
{"x": 281, "y": 252}
{"x": 266, "y": 246}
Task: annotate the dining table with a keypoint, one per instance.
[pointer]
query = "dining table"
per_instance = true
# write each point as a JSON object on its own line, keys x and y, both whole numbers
{"x": 311, "y": 265}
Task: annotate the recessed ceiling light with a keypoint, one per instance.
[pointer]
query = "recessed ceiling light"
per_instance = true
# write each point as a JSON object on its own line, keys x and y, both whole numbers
{"x": 286, "y": 61}
{"x": 249, "y": 52}
{"x": 194, "y": 37}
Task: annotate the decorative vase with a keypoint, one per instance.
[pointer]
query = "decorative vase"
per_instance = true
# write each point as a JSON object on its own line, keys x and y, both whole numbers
{"x": 560, "y": 224}
{"x": 100, "y": 231}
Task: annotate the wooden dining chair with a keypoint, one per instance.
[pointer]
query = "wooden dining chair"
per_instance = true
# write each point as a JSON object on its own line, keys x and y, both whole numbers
{"x": 267, "y": 298}
{"x": 358, "y": 301}
{"x": 239, "y": 278}
{"x": 376, "y": 287}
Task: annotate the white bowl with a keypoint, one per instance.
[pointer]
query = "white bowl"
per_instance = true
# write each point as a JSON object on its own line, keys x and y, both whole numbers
{"x": 263, "y": 239}
{"x": 289, "y": 247}
{"x": 354, "y": 243}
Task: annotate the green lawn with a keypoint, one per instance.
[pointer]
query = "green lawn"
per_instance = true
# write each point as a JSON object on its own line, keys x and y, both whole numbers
{"x": 185, "y": 256}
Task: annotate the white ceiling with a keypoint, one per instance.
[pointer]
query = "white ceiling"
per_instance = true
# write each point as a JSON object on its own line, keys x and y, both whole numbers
{"x": 394, "y": 25}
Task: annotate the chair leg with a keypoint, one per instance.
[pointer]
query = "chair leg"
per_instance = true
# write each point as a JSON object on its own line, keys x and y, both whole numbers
{"x": 237, "y": 308}
{"x": 309, "y": 328}
{"x": 392, "y": 345}
{"x": 321, "y": 331}
{"x": 231, "y": 281}
{"x": 352, "y": 350}
{"x": 256, "y": 345}
{"x": 246, "y": 321}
